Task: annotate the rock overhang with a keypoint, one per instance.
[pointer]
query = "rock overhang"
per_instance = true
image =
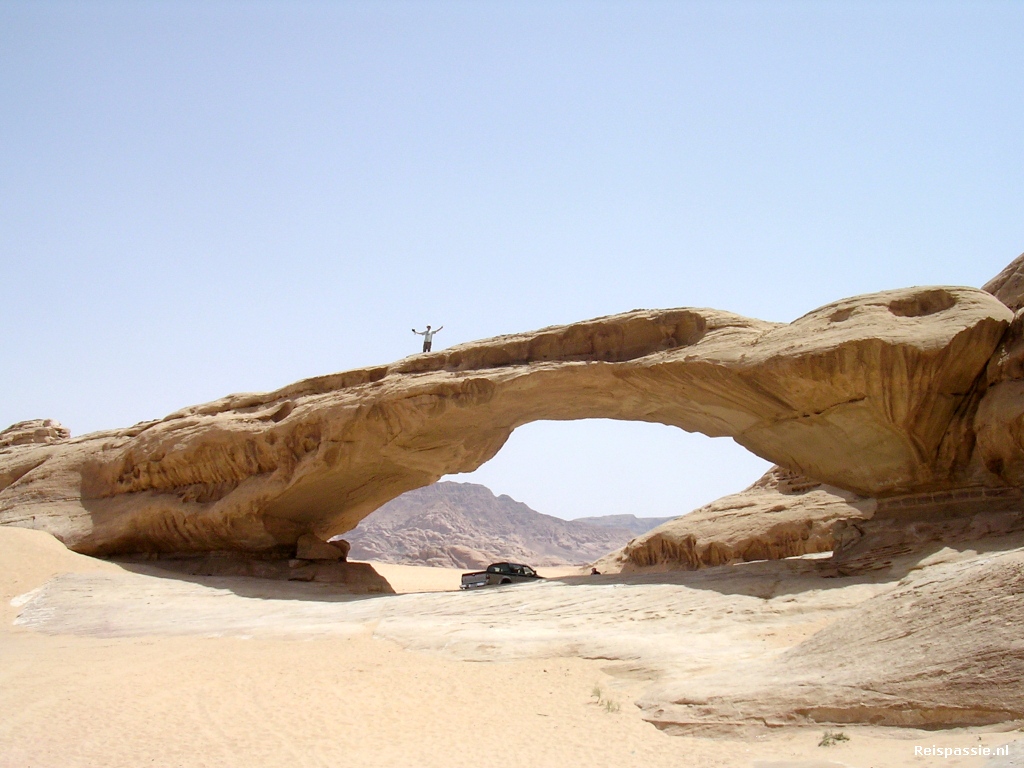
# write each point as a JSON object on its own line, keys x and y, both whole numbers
{"x": 862, "y": 393}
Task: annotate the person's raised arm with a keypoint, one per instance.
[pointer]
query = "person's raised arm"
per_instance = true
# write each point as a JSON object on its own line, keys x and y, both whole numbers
{"x": 439, "y": 329}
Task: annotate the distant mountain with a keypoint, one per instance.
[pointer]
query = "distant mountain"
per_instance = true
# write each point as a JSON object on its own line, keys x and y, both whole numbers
{"x": 464, "y": 525}
{"x": 635, "y": 525}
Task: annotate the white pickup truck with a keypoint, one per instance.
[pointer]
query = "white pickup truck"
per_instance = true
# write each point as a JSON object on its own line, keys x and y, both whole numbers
{"x": 499, "y": 573}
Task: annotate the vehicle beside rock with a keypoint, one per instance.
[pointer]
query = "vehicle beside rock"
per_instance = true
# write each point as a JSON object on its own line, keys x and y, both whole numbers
{"x": 497, "y": 574}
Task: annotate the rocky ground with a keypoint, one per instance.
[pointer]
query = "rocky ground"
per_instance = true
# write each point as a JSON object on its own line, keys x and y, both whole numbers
{"x": 737, "y": 665}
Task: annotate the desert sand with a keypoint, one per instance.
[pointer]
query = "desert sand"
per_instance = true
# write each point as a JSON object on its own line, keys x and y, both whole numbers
{"x": 104, "y": 665}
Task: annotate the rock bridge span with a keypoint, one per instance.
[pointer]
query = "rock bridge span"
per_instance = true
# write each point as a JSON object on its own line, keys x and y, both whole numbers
{"x": 877, "y": 394}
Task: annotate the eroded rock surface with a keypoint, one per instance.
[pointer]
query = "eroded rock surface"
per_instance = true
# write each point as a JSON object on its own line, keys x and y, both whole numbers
{"x": 34, "y": 432}
{"x": 1008, "y": 285}
{"x": 781, "y": 515}
{"x": 309, "y": 547}
{"x": 940, "y": 649}
{"x": 875, "y": 394}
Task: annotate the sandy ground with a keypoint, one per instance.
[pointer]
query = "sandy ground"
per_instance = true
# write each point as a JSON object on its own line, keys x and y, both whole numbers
{"x": 104, "y": 666}
{"x": 413, "y": 578}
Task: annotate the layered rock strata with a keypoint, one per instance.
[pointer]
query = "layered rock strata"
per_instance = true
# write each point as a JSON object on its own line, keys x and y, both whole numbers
{"x": 781, "y": 515}
{"x": 902, "y": 525}
{"x": 941, "y": 648}
{"x": 876, "y": 394}
{"x": 34, "y": 432}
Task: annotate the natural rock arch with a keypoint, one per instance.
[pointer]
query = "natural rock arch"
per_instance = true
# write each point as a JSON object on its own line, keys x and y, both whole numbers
{"x": 874, "y": 394}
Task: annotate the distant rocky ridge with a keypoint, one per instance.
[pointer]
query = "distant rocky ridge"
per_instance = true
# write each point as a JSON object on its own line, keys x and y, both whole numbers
{"x": 632, "y": 523}
{"x": 464, "y": 525}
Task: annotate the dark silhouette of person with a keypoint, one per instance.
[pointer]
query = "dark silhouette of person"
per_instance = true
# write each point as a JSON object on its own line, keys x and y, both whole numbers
{"x": 428, "y": 336}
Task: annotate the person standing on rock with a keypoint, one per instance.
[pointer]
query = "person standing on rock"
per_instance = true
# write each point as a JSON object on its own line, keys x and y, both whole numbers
{"x": 428, "y": 336}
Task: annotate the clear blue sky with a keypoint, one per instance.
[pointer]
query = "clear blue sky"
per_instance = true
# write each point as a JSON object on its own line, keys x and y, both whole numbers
{"x": 211, "y": 197}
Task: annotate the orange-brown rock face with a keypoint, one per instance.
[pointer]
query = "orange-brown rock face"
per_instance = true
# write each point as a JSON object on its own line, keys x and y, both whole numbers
{"x": 862, "y": 394}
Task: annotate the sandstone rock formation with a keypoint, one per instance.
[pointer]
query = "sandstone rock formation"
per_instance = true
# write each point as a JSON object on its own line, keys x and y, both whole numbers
{"x": 34, "y": 432}
{"x": 309, "y": 547}
{"x": 941, "y": 648}
{"x": 905, "y": 524}
{"x": 781, "y": 515}
{"x": 463, "y": 525}
{"x": 878, "y": 394}
{"x": 1008, "y": 285}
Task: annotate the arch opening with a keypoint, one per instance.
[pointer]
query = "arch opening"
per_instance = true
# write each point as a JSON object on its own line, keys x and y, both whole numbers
{"x": 599, "y": 467}
{"x": 635, "y": 475}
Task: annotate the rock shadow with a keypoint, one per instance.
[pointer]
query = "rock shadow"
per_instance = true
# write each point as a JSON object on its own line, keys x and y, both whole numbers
{"x": 363, "y": 581}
